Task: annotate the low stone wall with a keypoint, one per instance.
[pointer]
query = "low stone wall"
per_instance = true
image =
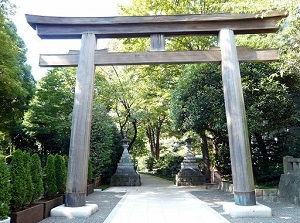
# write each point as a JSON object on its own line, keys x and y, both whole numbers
{"x": 270, "y": 195}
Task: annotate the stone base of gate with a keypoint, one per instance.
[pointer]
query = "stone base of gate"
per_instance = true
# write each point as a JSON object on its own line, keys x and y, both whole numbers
{"x": 74, "y": 212}
{"x": 237, "y": 211}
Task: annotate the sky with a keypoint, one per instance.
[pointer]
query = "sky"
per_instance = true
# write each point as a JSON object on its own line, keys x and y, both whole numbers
{"x": 36, "y": 46}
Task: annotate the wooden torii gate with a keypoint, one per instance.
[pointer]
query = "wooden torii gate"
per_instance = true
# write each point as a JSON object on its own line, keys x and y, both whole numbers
{"x": 89, "y": 29}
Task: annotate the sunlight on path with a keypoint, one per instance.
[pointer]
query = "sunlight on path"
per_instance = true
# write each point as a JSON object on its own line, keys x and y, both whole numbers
{"x": 160, "y": 201}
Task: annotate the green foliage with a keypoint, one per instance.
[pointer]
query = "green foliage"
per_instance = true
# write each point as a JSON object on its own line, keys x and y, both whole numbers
{"x": 61, "y": 173}
{"x": 48, "y": 118}
{"x": 90, "y": 177}
{"x": 168, "y": 165}
{"x": 5, "y": 190}
{"x": 149, "y": 163}
{"x": 27, "y": 178}
{"x": 37, "y": 177}
{"x": 16, "y": 82}
{"x": 197, "y": 103}
{"x": 18, "y": 176}
{"x": 50, "y": 187}
{"x": 105, "y": 143}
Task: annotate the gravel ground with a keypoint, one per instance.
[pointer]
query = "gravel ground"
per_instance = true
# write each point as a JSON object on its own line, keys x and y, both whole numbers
{"x": 106, "y": 202}
{"x": 282, "y": 212}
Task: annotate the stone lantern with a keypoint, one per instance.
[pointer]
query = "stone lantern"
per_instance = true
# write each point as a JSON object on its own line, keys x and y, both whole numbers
{"x": 125, "y": 174}
{"x": 189, "y": 174}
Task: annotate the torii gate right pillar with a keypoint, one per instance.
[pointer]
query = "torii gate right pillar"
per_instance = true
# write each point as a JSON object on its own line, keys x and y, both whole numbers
{"x": 241, "y": 165}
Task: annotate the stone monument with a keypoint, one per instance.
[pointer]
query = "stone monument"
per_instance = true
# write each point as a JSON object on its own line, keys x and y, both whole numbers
{"x": 125, "y": 174}
{"x": 289, "y": 185}
{"x": 189, "y": 174}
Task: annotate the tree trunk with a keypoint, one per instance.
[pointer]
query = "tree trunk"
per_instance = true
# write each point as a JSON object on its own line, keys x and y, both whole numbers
{"x": 153, "y": 134}
{"x": 206, "y": 159}
{"x": 262, "y": 147}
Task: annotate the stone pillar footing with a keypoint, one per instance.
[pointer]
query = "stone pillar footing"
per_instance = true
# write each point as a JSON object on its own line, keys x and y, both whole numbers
{"x": 255, "y": 211}
{"x": 75, "y": 199}
{"x": 74, "y": 212}
{"x": 245, "y": 198}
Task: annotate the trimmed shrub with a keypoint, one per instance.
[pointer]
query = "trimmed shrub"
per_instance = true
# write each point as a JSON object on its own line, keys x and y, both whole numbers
{"x": 37, "y": 177}
{"x": 18, "y": 180}
{"x": 5, "y": 190}
{"x": 90, "y": 173}
{"x": 50, "y": 187}
{"x": 61, "y": 173}
{"x": 27, "y": 178}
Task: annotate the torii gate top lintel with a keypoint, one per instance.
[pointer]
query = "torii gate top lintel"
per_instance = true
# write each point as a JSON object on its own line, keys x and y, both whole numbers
{"x": 49, "y": 27}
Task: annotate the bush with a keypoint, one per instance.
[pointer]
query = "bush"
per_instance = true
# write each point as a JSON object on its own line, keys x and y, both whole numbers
{"x": 90, "y": 173}
{"x": 5, "y": 189}
{"x": 61, "y": 173}
{"x": 106, "y": 148}
{"x": 27, "y": 178}
{"x": 168, "y": 165}
{"x": 18, "y": 175}
{"x": 50, "y": 187}
{"x": 149, "y": 163}
{"x": 37, "y": 177}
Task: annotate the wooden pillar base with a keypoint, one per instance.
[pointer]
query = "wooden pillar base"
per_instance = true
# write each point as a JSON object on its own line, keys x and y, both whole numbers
{"x": 75, "y": 199}
{"x": 245, "y": 198}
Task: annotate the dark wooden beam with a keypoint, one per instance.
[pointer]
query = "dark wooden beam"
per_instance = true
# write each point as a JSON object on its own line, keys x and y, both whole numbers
{"x": 48, "y": 27}
{"x": 103, "y": 58}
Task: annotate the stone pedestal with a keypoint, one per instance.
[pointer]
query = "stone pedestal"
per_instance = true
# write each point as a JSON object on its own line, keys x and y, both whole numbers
{"x": 253, "y": 211}
{"x": 189, "y": 174}
{"x": 125, "y": 174}
{"x": 289, "y": 188}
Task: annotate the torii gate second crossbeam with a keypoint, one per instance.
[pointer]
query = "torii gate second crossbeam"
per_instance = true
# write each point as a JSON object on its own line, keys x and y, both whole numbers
{"x": 157, "y": 27}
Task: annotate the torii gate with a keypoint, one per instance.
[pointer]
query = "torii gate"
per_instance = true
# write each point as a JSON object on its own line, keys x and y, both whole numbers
{"x": 89, "y": 29}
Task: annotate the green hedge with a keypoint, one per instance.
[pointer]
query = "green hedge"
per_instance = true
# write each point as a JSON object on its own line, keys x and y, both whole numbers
{"x": 18, "y": 176}
{"x": 5, "y": 189}
{"x": 61, "y": 173}
{"x": 37, "y": 177}
{"x": 50, "y": 177}
{"x": 27, "y": 178}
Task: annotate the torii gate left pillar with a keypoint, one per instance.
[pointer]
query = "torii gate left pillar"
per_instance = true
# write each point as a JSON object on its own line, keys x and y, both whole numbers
{"x": 81, "y": 124}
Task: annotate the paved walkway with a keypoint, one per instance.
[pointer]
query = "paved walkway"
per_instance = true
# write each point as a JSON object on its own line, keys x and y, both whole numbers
{"x": 159, "y": 201}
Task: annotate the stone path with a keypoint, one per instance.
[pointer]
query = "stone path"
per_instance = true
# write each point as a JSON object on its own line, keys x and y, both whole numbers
{"x": 159, "y": 201}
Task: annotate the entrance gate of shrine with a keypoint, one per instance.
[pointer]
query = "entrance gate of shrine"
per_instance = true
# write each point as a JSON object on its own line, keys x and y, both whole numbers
{"x": 89, "y": 29}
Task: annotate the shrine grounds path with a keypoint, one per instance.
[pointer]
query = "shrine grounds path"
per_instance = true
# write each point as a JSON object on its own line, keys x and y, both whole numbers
{"x": 159, "y": 201}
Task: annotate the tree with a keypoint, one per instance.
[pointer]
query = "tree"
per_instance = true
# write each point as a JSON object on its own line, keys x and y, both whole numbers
{"x": 16, "y": 82}
{"x": 48, "y": 118}
{"x": 197, "y": 104}
{"x": 105, "y": 143}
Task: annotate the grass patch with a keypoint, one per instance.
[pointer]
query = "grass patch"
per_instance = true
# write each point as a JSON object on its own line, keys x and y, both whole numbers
{"x": 266, "y": 186}
{"x": 103, "y": 187}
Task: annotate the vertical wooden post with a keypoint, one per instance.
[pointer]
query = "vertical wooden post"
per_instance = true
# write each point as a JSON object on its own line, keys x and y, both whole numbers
{"x": 240, "y": 155}
{"x": 157, "y": 42}
{"x": 81, "y": 124}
